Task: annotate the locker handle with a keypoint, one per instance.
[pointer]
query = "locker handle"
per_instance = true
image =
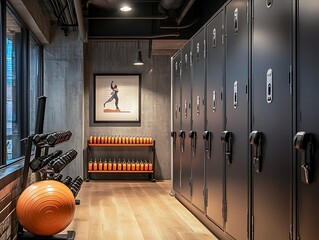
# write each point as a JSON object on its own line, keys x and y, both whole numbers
{"x": 226, "y": 137}
{"x": 268, "y": 3}
{"x": 193, "y": 135}
{"x": 181, "y": 134}
{"x": 207, "y": 135}
{"x": 173, "y": 135}
{"x": 255, "y": 139}
{"x": 304, "y": 143}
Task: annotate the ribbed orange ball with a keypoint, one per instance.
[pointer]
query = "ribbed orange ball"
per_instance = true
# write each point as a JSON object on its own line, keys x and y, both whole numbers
{"x": 46, "y": 208}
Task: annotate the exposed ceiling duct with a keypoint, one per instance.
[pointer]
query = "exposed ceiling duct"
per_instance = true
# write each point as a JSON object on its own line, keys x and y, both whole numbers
{"x": 102, "y": 19}
{"x": 129, "y": 18}
{"x": 169, "y": 35}
{"x": 65, "y": 14}
{"x": 184, "y": 10}
{"x": 166, "y": 6}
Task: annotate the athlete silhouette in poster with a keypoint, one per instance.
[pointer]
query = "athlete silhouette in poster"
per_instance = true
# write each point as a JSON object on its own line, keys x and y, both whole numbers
{"x": 114, "y": 96}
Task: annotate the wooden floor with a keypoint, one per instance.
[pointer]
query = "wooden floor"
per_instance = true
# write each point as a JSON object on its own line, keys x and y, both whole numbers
{"x": 133, "y": 210}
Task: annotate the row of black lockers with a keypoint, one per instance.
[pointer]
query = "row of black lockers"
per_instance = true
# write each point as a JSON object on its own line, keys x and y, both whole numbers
{"x": 251, "y": 68}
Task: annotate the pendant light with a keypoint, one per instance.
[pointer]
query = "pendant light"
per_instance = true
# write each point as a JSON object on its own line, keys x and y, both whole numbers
{"x": 138, "y": 59}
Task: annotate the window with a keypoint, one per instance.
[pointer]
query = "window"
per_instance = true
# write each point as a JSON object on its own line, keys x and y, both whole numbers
{"x": 34, "y": 58}
{"x": 20, "y": 80}
{"x": 13, "y": 90}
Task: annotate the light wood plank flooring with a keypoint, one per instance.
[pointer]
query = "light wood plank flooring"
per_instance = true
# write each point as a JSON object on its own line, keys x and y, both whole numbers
{"x": 133, "y": 210}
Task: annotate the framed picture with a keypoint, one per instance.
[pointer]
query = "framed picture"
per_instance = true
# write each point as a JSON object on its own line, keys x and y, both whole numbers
{"x": 117, "y": 98}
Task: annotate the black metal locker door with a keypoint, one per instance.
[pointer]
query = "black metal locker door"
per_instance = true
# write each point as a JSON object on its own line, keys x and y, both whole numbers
{"x": 215, "y": 164}
{"x": 235, "y": 136}
{"x": 176, "y": 121}
{"x": 198, "y": 119}
{"x": 186, "y": 122}
{"x": 272, "y": 119}
{"x": 308, "y": 118}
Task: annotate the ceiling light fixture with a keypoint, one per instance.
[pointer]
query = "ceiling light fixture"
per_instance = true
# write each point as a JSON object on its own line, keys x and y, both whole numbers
{"x": 138, "y": 60}
{"x": 125, "y": 8}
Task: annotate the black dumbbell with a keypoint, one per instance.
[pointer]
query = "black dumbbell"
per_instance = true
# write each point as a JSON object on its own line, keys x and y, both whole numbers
{"x": 42, "y": 161}
{"x": 58, "y": 137}
{"x": 76, "y": 185}
{"x": 58, "y": 177}
{"x": 77, "y": 182}
{"x": 67, "y": 181}
{"x": 40, "y": 139}
{"x": 61, "y": 162}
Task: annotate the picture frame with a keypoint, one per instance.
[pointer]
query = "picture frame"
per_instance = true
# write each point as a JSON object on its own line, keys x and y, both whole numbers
{"x": 117, "y": 98}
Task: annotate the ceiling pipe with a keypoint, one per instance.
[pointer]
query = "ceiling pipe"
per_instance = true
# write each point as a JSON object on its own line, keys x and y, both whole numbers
{"x": 134, "y": 37}
{"x": 178, "y": 27}
{"x": 79, "y": 17}
{"x": 165, "y": 6}
{"x": 184, "y": 11}
{"x": 128, "y": 18}
{"x": 171, "y": 4}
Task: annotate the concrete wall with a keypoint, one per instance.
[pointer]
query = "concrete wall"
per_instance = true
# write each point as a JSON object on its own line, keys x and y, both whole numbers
{"x": 63, "y": 85}
{"x": 118, "y": 57}
{"x": 65, "y": 60}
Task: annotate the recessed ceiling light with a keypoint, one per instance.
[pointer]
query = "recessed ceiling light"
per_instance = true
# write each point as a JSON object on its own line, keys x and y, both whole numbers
{"x": 125, "y": 9}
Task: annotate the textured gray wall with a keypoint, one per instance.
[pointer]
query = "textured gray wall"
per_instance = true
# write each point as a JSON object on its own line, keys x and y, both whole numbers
{"x": 117, "y": 57}
{"x": 63, "y": 85}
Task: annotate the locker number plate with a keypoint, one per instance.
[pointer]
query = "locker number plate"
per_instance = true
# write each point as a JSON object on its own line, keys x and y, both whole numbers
{"x": 269, "y": 86}
{"x": 214, "y": 101}
{"x": 235, "y": 98}
{"x": 198, "y": 105}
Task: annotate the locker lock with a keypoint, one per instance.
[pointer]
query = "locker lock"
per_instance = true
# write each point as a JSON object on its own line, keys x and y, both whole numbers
{"x": 173, "y": 135}
{"x": 226, "y": 138}
{"x": 193, "y": 135}
{"x": 181, "y": 134}
{"x": 255, "y": 139}
{"x": 207, "y": 135}
{"x": 304, "y": 143}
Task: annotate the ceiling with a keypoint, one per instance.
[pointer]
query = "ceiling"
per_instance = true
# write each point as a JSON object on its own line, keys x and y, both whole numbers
{"x": 164, "y": 22}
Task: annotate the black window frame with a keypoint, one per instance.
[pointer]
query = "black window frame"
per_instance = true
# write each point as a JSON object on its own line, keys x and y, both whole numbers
{"x": 24, "y": 80}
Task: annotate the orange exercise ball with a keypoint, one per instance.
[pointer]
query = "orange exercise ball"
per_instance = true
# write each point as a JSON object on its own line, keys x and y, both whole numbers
{"x": 46, "y": 207}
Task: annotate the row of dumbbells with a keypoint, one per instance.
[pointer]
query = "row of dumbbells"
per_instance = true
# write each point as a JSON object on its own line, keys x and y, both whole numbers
{"x": 74, "y": 185}
{"x": 51, "y": 138}
{"x": 55, "y": 161}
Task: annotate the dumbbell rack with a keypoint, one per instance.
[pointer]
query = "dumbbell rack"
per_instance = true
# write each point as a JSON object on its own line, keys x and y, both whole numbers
{"x": 47, "y": 174}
